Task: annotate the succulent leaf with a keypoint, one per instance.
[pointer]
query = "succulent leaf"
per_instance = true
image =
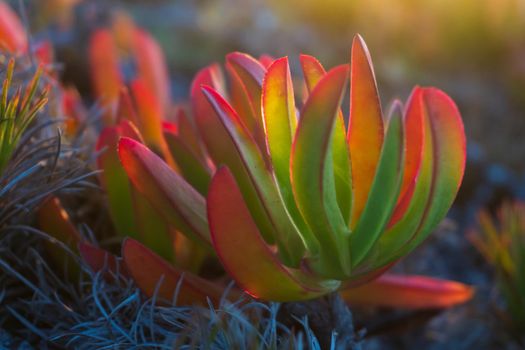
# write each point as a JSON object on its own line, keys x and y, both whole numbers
{"x": 365, "y": 129}
{"x": 312, "y": 170}
{"x": 313, "y": 71}
{"x": 413, "y": 124}
{"x": 220, "y": 147}
{"x": 13, "y": 37}
{"x": 190, "y": 165}
{"x": 288, "y": 237}
{"x": 100, "y": 260}
{"x": 114, "y": 179}
{"x": 179, "y": 204}
{"x": 156, "y": 277}
{"x": 243, "y": 252}
{"x": 408, "y": 292}
{"x": 152, "y": 67}
{"x": 54, "y": 220}
{"x": 384, "y": 191}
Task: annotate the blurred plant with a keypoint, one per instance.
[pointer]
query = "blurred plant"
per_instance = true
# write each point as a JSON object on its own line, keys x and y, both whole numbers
{"x": 127, "y": 56}
{"x": 13, "y": 37}
{"x": 17, "y": 112}
{"x": 124, "y": 53}
{"x": 284, "y": 208}
{"x": 502, "y": 244}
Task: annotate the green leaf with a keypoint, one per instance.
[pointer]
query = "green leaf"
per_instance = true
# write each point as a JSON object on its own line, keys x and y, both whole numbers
{"x": 114, "y": 179}
{"x": 384, "y": 191}
{"x": 365, "y": 126}
{"x": 191, "y": 166}
{"x": 247, "y": 75}
{"x": 220, "y": 147}
{"x": 179, "y": 204}
{"x": 312, "y": 176}
{"x": 244, "y": 253}
{"x": 288, "y": 237}
{"x": 313, "y": 71}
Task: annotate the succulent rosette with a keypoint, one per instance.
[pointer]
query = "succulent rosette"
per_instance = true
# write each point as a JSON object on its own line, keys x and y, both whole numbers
{"x": 295, "y": 203}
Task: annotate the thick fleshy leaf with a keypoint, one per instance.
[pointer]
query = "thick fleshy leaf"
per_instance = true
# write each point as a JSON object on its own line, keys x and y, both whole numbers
{"x": 189, "y": 255}
{"x": 155, "y": 277}
{"x": 449, "y": 153}
{"x": 312, "y": 171}
{"x": 247, "y": 76}
{"x": 414, "y": 136}
{"x": 187, "y": 131}
{"x": 106, "y": 76}
{"x": 99, "y": 259}
{"x": 313, "y": 71}
{"x": 167, "y": 191}
{"x": 210, "y": 129}
{"x": 13, "y": 37}
{"x": 194, "y": 170}
{"x": 220, "y": 146}
{"x": 384, "y": 192}
{"x": 114, "y": 179}
{"x": 439, "y": 179}
{"x": 125, "y": 108}
{"x": 392, "y": 242}
{"x": 408, "y": 292}
{"x": 288, "y": 237}
{"x": 131, "y": 213}
{"x": 280, "y": 121}
{"x": 152, "y": 67}
{"x": 414, "y": 141}
{"x": 150, "y": 117}
{"x": 243, "y": 252}
{"x": 153, "y": 230}
{"x": 74, "y": 111}
{"x": 251, "y": 74}
{"x": 55, "y": 221}
{"x": 365, "y": 129}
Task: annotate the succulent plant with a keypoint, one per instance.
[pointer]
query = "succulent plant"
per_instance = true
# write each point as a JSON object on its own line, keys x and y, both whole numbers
{"x": 13, "y": 36}
{"x": 299, "y": 207}
{"x": 122, "y": 53}
{"x": 292, "y": 204}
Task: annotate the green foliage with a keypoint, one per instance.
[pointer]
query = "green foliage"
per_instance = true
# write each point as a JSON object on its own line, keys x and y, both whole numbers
{"x": 17, "y": 112}
{"x": 502, "y": 243}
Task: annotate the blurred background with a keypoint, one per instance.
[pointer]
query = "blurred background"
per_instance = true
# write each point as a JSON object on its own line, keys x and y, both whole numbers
{"x": 472, "y": 49}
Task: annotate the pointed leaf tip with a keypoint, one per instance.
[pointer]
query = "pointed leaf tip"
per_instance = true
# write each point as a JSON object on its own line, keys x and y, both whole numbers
{"x": 365, "y": 129}
{"x": 409, "y": 292}
{"x": 179, "y": 204}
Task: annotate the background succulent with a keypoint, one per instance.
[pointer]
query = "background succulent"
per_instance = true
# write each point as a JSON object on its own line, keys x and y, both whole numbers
{"x": 501, "y": 241}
